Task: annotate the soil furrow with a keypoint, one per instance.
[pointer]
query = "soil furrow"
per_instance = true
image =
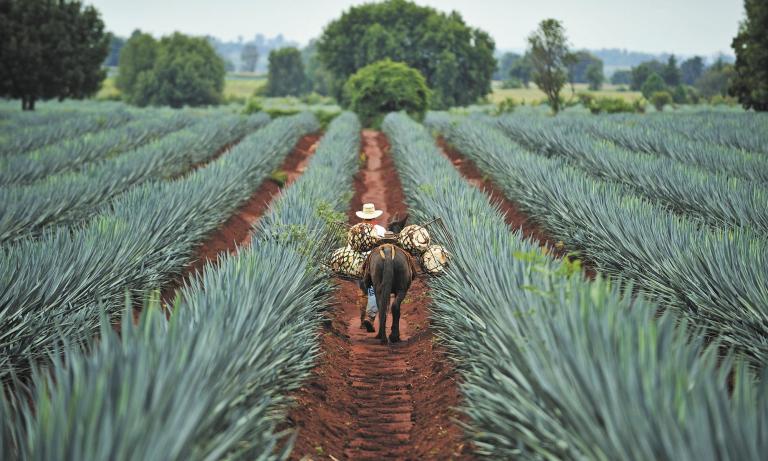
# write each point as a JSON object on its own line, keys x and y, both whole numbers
{"x": 236, "y": 231}
{"x": 513, "y": 216}
{"x": 369, "y": 401}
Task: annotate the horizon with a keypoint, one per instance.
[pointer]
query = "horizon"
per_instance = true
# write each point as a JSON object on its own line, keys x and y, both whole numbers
{"x": 654, "y": 29}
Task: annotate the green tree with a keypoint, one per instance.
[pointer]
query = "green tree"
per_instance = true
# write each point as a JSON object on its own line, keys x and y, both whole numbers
{"x": 249, "y": 57}
{"x": 660, "y": 99}
{"x": 319, "y": 79}
{"x": 750, "y": 82}
{"x": 549, "y": 49}
{"x": 50, "y": 49}
{"x": 286, "y": 73}
{"x": 691, "y": 69}
{"x": 504, "y": 65}
{"x": 621, "y": 77}
{"x": 671, "y": 73}
{"x": 434, "y": 43}
{"x": 716, "y": 80}
{"x": 642, "y": 71}
{"x": 522, "y": 69}
{"x": 383, "y": 87}
{"x": 595, "y": 76}
{"x": 186, "y": 71}
{"x": 653, "y": 84}
{"x": 138, "y": 55}
{"x": 579, "y": 65}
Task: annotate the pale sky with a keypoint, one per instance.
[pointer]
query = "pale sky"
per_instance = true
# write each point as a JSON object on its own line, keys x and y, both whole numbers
{"x": 680, "y": 26}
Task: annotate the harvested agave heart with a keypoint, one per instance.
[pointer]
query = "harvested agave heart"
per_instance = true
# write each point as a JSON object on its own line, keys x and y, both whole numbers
{"x": 362, "y": 237}
{"x": 347, "y": 261}
{"x": 435, "y": 259}
{"x": 414, "y": 239}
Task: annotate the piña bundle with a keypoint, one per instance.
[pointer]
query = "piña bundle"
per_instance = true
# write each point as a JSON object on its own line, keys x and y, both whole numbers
{"x": 362, "y": 237}
{"x": 347, "y": 261}
{"x": 414, "y": 239}
{"x": 435, "y": 259}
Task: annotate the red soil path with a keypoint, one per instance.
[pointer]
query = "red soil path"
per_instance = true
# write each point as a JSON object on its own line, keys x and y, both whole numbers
{"x": 366, "y": 401}
{"x": 236, "y": 231}
{"x": 513, "y": 216}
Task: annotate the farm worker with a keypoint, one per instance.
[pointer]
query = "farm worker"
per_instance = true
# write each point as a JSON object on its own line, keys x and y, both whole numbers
{"x": 368, "y": 308}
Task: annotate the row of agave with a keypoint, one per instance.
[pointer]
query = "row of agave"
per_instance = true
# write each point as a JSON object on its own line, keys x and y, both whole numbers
{"x": 69, "y": 199}
{"x": 554, "y": 366}
{"x": 142, "y": 240}
{"x": 71, "y": 154}
{"x": 737, "y": 129}
{"x": 24, "y": 139}
{"x": 715, "y": 199}
{"x": 211, "y": 382}
{"x": 717, "y": 277}
{"x": 737, "y": 163}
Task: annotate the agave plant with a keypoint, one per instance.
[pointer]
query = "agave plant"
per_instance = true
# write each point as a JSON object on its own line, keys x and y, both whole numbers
{"x": 29, "y": 139}
{"x": 143, "y": 239}
{"x": 70, "y": 155}
{"x": 716, "y": 277}
{"x": 70, "y": 199}
{"x": 715, "y": 199}
{"x": 219, "y": 371}
{"x": 554, "y": 366}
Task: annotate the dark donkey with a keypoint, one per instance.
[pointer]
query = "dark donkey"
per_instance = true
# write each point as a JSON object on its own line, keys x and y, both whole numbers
{"x": 389, "y": 271}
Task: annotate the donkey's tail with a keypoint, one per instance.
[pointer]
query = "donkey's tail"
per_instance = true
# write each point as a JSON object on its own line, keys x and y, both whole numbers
{"x": 387, "y": 253}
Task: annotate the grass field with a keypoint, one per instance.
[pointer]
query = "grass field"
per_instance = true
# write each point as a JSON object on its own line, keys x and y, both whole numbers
{"x": 533, "y": 93}
{"x": 236, "y": 86}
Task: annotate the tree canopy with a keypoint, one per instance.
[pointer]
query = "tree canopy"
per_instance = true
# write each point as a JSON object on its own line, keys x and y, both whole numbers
{"x": 176, "y": 71}
{"x": 50, "y": 49}
{"x": 286, "y": 73}
{"x": 249, "y": 57}
{"x": 691, "y": 69}
{"x": 383, "y": 87}
{"x": 456, "y": 60}
{"x": 750, "y": 83}
{"x": 549, "y": 54}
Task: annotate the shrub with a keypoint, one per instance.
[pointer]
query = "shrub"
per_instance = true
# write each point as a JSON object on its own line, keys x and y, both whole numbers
{"x": 654, "y": 83}
{"x": 252, "y": 106}
{"x": 506, "y": 106}
{"x": 608, "y": 105}
{"x": 511, "y": 83}
{"x": 659, "y": 99}
{"x": 383, "y": 87}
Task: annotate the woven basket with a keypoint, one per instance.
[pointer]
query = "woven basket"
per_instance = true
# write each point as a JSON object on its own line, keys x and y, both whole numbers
{"x": 414, "y": 239}
{"x": 435, "y": 259}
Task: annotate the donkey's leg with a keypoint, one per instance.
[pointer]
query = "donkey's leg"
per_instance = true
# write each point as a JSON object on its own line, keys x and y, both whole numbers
{"x": 395, "y": 335}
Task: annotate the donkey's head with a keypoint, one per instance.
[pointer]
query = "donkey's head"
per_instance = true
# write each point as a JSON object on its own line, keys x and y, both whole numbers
{"x": 396, "y": 223}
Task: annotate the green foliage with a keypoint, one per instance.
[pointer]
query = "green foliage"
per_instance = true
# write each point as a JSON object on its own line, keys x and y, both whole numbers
{"x": 750, "y": 83}
{"x": 549, "y": 360}
{"x": 691, "y": 69}
{"x": 522, "y": 70}
{"x": 607, "y": 105}
{"x": 142, "y": 240}
{"x": 319, "y": 79}
{"x": 621, "y": 77}
{"x": 115, "y": 47}
{"x": 506, "y": 106}
{"x": 548, "y": 51}
{"x": 511, "y": 83}
{"x": 383, "y": 87}
{"x": 138, "y": 55}
{"x": 253, "y": 106}
{"x": 279, "y": 177}
{"x": 186, "y": 71}
{"x": 641, "y": 72}
{"x": 716, "y": 80}
{"x": 653, "y": 84}
{"x": 504, "y": 65}
{"x": 456, "y": 60}
{"x": 286, "y": 73}
{"x": 671, "y": 73}
{"x": 595, "y": 76}
{"x": 50, "y": 49}
{"x": 659, "y": 99}
{"x": 579, "y": 63}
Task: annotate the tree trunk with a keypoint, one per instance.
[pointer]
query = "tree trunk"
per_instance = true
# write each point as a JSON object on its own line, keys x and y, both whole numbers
{"x": 27, "y": 103}
{"x": 31, "y": 105}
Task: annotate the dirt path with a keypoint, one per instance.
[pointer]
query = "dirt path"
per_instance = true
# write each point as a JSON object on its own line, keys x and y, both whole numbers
{"x": 366, "y": 401}
{"x": 236, "y": 231}
{"x": 513, "y": 216}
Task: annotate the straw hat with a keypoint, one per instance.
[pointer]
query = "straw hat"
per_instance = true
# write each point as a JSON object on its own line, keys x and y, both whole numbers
{"x": 369, "y": 212}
